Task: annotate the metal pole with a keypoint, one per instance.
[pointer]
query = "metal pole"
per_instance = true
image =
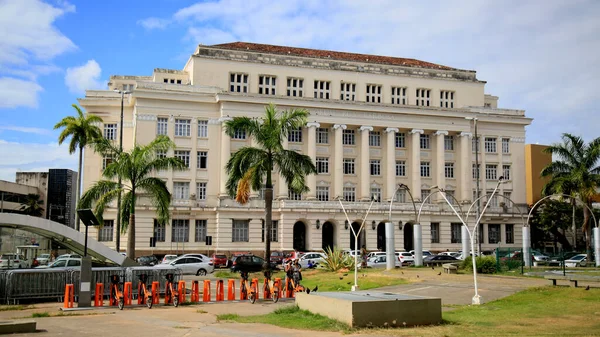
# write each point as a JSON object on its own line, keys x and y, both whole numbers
{"x": 477, "y": 184}
{"x": 118, "y": 234}
{"x": 85, "y": 244}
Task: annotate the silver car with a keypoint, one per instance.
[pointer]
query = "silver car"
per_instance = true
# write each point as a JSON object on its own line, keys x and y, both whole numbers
{"x": 190, "y": 265}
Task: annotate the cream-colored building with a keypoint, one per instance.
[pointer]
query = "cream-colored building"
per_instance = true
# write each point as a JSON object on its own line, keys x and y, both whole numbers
{"x": 375, "y": 122}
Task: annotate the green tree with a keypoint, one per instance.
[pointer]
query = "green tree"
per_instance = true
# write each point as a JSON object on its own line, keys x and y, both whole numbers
{"x": 136, "y": 169}
{"x": 33, "y": 205}
{"x": 575, "y": 171}
{"x": 550, "y": 219}
{"x": 83, "y": 132}
{"x": 251, "y": 168}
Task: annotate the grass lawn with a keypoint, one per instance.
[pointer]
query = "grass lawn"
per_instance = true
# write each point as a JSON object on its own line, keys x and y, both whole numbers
{"x": 552, "y": 311}
{"x": 329, "y": 281}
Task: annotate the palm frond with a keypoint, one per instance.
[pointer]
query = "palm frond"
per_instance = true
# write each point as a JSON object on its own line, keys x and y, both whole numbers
{"x": 294, "y": 167}
{"x": 241, "y": 162}
{"x": 159, "y": 194}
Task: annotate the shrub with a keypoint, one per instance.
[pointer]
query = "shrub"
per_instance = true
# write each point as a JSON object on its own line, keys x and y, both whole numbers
{"x": 335, "y": 260}
{"x": 485, "y": 264}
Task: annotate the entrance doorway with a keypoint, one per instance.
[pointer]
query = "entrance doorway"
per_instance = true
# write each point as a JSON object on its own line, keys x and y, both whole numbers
{"x": 381, "y": 237}
{"x": 408, "y": 237}
{"x": 299, "y": 236}
{"x": 328, "y": 236}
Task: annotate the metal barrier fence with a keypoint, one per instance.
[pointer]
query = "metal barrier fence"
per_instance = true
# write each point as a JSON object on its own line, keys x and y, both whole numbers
{"x": 36, "y": 284}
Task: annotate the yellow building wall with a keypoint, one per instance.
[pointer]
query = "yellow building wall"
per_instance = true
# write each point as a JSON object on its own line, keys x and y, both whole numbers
{"x": 535, "y": 161}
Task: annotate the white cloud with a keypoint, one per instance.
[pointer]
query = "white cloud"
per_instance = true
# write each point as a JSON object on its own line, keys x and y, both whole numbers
{"x": 15, "y": 92}
{"x": 541, "y": 58}
{"x": 154, "y": 23}
{"x": 33, "y": 156}
{"x": 28, "y": 43}
{"x": 25, "y": 129}
{"x": 85, "y": 77}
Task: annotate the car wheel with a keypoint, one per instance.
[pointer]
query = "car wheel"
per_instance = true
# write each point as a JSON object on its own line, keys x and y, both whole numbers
{"x": 201, "y": 272}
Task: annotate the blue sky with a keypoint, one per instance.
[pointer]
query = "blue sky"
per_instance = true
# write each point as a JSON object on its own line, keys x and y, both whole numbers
{"x": 539, "y": 55}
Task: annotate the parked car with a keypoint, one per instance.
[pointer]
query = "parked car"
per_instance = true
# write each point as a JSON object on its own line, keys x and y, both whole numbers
{"x": 220, "y": 261}
{"x": 425, "y": 253}
{"x": 453, "y": 254}
{"x": 315, "y": 257}
{"x": 202, "y": 256}
{"x": 250, "y": 263}
{"x": 168, "y": 258}
{"x": 371, "y": 254}
{"x": 148, "y": 260}
{"x": 66, "y": 262}
{"x": 432, "y": 258}
{"x": 352, "y": 252}
{"x": 43, "y": 259}
{"x": 577, "y": 261}
{"x": 13, "y": 261}
{"x": 69, "y": 256}
{"x": 380, "y": 261}
{"x": 190, "y": 265}
{"x": 405, "y": 259}
{"x": 291, "y": 256}
{"x": 277, "y": 257}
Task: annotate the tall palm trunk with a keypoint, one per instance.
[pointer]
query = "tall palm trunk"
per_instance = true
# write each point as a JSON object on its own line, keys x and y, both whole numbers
{"x": 587, "y": 230}
{"x": 268, "y": 219}
{"x": 131, "y": 227}
{"x": 78, "y": 192}
{"x": 574, "y": 224}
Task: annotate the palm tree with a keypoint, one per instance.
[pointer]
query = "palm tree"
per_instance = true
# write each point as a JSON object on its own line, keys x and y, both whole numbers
{"x": 33, "y": 205}
{"x": 252, "y": 167}
{"x": 575, "y": 172}
{"x": 135, "y": 168}
{"x": 83, "y": 132}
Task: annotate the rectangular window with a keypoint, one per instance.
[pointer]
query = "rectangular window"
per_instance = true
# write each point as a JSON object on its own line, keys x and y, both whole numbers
{"x": 348, "y": 91}
{"x": 128, "y": 87}
{"x": 180, "y": 231}
{"x": 491, "y": 171}
{"x": 424, "y": 195}
{"x": 322, "y": 136}
{"x": 183, "y": 127}
{"x": 451, "y": 196}
{"x": 348, "y": 137}
{"x": 238, "y": 82}
{"x": 399, "y": 95}
{"x": 106, "y": 160}
{"x": 106, "y": 231}
{"x": 374, "y": 138}
{"x": 375, "y": 167}
{"x": 490, "y": 144}
{"x": 202, "y": 129}
{"x": 376, "y": 193}
{"x": 476, "y": 171}
{"x": 493, "y": 233}
{"x": 505, "y": 145}
{"x": 449, "y": 170}
{"x": 506, "y": 172}
{"x": 184, "y": 156}
{"x": 348, "y": 165}
{"x": 400, "y": 168}
{"x": 425, "y": 172}
{"x": 295, "y": 136}
{"x": 349, "y": 194}
{"x": 322, "y": 164}
{"x": 494, "y": 201}
{"x": 200, "y": 231}
{"x": 401, "y": 196}
{"x": 373, "y": 93}
{"x": 294, "y": 196}
{"x": 239, "y": 134}
{"x": 159, "y": 231}
{"x": 423, "y": 96}
{"x": 162, "y": 125}
{"x": 446, "y": 99}
{"x": 201, "y": 191}
{"x": 266, "y": 85}
{"x": 424, "y": 142}
{"x": 435, "y": 232}
{"x": 507, "y": 195}
{"x": 239, "y": 230}
{"x": 181, "y": 190}
{"x": 202, "y": 159}
{"x": 400, "y": 140}
{"x": 274, "y": 226}
{"x": 323, "y": 193}
{"x": 110, "y": 131}
{"x": 475, "y": 144}
{"x": 510, "y": 233}
{"x": 455, "y": 233}
{"x": 295, "y": 87}
{"x": 322, "y": 89}
{"x": 161, "y": 154}
{"x": 449, "y": 143}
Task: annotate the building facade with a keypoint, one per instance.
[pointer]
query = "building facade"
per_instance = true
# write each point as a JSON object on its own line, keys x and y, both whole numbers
{"x": 375, "y": 122}
{"x": 62, "y": 195}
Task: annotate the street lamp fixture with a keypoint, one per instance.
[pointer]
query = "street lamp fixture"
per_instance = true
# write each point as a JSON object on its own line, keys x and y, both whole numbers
{"x": 118, "y": 232}
{"x": 318, "y": 224}
{"x": 373, "y": 223}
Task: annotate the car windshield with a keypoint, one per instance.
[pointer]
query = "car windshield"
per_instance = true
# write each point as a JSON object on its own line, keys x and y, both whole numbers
{"x": 578, "y": 257}
{"x": 59, "y": 263}
{"x": 44, "y": 256}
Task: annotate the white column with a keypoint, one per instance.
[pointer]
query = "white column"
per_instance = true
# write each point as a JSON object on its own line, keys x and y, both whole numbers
{"x": 365, "y": 172}
{"x": 193, "y": 157}
{"x": 440, "y": 160}
{"x": 311, "y": 180}
{"x": 390, "y": 163}
{"x": 338, "y": 159}
{"x": 225, "y": 155}
{"x": 465, "y": 180}
{"x": 415, "y": 163}
{"x": 283, "y": 188}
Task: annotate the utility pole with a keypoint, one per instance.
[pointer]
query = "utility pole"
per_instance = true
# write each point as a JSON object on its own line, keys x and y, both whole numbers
{"x": 118, "y": 234}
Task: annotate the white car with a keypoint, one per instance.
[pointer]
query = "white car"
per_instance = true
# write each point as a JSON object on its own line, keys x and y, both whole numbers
{"x": 453, "y": 254}
{"x": 190, "y": 265}
{"x": 577, "y": 261}
{"x": 43, "y": 259}
{"x": 352, "y": 252}
{"x": 201, "y": 256}
{"x": 425, "y": 253}
{"x": 69, "y": 262}
{"x": 405, "y": 258}
{"x": 69, "y": 256}
{"x": 372, "y": 254}
{"x": 13, "y": 261}
{"x": 168, "y": 258}
{"x": 315, "y": 257}
{"x": 380, "y": 261}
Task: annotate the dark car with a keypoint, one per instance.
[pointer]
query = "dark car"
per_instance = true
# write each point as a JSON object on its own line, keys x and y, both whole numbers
{"x": 220, "y": 261}
{"x": 249, "y": 263}
{"x": 439, "y": 258}
{"x": 277, "y": 257}
{"x": 149, "y": 260}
